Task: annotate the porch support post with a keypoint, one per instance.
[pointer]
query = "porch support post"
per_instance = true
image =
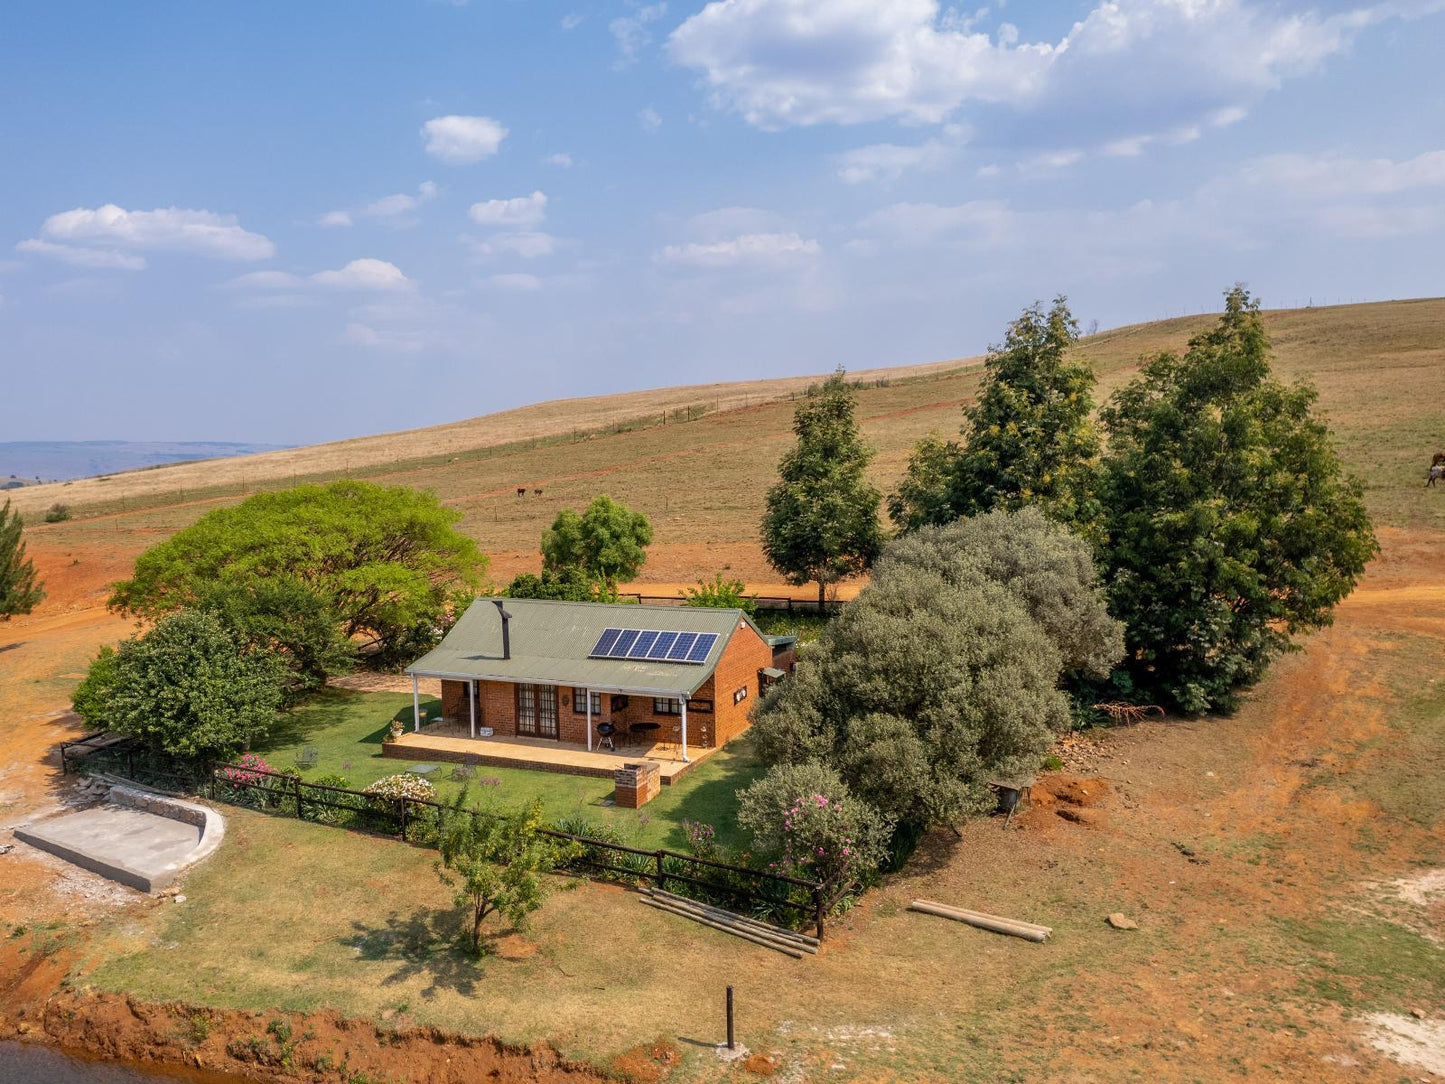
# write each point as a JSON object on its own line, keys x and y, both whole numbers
{"x": 683, "y": 701}
{"x": 587, "y": 692}
{"x": 415, "y": 704}
{"x": 472, "y": 703}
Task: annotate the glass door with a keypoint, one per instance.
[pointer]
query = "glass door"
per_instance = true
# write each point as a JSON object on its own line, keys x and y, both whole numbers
{"x": 537, "y": 711}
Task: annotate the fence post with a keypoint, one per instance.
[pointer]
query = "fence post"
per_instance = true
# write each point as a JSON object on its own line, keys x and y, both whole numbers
{"x": 660, "y": 877}
{"x": 818, "y": 909}
{"x": 296, "y": 784}
{"x": 403, "y": 818}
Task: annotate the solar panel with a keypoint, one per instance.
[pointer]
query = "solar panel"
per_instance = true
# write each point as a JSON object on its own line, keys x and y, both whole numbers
{"x": 681, "y": 647}
{"x": 702, "y": 647}
{"x": 654, "y": 645}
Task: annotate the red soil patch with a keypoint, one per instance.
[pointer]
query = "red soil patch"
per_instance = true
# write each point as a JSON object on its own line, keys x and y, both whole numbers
{"x": 647, "y": 1064}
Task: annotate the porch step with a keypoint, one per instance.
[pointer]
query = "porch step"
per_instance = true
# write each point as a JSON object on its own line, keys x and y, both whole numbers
{"x": 786, "y": 941}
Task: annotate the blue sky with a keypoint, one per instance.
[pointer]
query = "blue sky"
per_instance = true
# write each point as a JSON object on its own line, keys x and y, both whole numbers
{"x": 295, "y": 222}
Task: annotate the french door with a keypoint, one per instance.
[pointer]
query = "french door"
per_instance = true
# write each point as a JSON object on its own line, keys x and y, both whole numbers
{"x": 537, "y": 711}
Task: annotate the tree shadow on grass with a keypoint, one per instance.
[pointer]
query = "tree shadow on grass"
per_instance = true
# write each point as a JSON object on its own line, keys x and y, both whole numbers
{"x": 329, "y": 709}
{"x": 426, "y": 944}
{"x": 713, "y": 800}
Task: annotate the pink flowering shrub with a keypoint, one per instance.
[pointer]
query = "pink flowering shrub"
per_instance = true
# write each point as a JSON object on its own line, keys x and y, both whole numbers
{"x": 701, "y": 839}
{"x": 804, "y": 823}
{"x": 246, "y": 771}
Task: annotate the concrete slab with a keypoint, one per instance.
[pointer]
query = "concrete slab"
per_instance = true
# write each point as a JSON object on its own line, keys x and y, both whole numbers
{"x": 136, "y": 848}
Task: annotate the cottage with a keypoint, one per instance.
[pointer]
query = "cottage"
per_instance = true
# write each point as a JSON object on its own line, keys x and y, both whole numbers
{"x": 598, "y": 675}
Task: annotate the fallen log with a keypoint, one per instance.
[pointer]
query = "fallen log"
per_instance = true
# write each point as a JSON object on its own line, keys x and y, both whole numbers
{"x": 1029, "y": 931}
{"x": 804, "y": 941}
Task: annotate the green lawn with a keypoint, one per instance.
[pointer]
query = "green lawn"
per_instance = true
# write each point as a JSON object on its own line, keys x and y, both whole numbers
{"x": 346, "y": 730}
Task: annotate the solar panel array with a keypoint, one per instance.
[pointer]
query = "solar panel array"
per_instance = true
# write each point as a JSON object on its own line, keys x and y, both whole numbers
{"x": 654, "y": 645}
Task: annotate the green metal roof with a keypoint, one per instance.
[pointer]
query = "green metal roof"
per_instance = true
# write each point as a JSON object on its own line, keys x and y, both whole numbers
{"x": 551, "y": 641}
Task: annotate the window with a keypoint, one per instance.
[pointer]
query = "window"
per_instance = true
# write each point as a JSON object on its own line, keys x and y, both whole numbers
{"x": 702, "y": 706}
{"x": 740, "y": 695}
{"x": 579, "y": 702}
{"x": 666, "y": 705}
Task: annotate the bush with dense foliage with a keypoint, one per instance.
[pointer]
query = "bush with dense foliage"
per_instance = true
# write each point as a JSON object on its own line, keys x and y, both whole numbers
{"x": 285, "y": 616}
{"x": 919, "y": 694}
{"x": 721, "y": 593}
{"x": 607, "y": 543}
{"x": 821, "y": 520}
{"x": 804, "y": 823}
{"x": 188, "y": 687}
{"x": 407, "y": 785}
{"x": 571, "y": 584}
{"x": 1028, "y": 439}
{"x": 1048, "y": 567}
{"x": 57, "y": 513}
{"x": 1231, "y": 525}
{"x": 20, "y": 588}
{"x": 385, "y": 560}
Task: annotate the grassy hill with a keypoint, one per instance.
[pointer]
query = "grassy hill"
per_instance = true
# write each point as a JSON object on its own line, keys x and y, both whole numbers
{"x": 702, "y": 480}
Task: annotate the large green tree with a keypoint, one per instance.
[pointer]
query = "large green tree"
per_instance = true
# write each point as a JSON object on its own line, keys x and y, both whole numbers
{"x": 918, "y": 694}
{"x": 1231, "y": 525}
{"x": 1028, "y": 439}
{"x": 285, "y": 616}
{"x": 20, "y": 587}
{"x": 188, "y": 687}
{"x": 821, "y": 521}
{"x": 385, "y": 560}
{"x": 608, "y": 543}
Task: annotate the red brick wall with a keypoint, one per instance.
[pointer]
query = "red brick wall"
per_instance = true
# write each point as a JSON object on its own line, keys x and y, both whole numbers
{"x": 745, "y": 655}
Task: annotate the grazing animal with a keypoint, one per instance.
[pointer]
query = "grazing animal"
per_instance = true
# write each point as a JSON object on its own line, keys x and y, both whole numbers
{"x": 521, "y": 491}
{"x": 1437, "y": 459}
{"x": 536, "y": 492}
{"x": 1437, "y": 471}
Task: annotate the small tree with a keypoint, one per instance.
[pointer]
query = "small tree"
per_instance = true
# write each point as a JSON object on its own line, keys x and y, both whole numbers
{"x": 493, "y": 862}
{"x": 1029, "y": 438}
{"x": 803, "y": 821}
{"x": 187, "y": 687}
{"x": 20, "y": 589}
{"x": 720, "y": 593}
{"x": 608, "y": 542}
{"x": 386, "y": 560}
{"x": 1231, "y": 523}
{"x": 821, "y": 523}
{"x": 570, "y": 584}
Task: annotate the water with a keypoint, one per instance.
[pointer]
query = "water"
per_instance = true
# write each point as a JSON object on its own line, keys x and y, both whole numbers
{"x": 30, "y": 1063}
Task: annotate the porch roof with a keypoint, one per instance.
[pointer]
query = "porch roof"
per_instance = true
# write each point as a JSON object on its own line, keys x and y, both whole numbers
{"x": 551, "y": 642}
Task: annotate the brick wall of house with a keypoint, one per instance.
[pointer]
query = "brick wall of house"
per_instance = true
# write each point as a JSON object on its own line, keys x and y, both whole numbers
{"x": 745, "y": 655}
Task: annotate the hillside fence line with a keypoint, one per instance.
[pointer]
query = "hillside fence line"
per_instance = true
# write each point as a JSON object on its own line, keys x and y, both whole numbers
{"x": 776, "y": 897}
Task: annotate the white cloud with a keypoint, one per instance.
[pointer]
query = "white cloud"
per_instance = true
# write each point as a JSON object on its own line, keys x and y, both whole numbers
{"x": 395, "y": 206}
{"x": 1335, "y": 176}
{"x": 889, "y": 161}
{"x": 528, "y": 244}
{"x": 98, "y": 259}
{"x": 752, "y": 248}
{"x": 572, "y": 21}
{"x": 650, "y": 119}
{"x": 521, "y": 211}
{"x": 333, "y": 219}
{"x": 460, "y": 140}
{"x": 171, "y": 229}
{"x": 265, "y": 280}
{"x": 562, "y": 158}
{"x": 1127, "y": 64}
{"x": 631, "y": 32}
{"x": 364, "y": 274}
{"x": 522, "y": 282}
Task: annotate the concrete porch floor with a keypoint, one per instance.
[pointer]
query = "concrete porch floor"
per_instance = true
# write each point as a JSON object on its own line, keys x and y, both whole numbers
{"x": 446, "y": 742}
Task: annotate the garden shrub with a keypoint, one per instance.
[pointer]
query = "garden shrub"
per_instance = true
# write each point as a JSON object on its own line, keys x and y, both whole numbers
{"x": 407, "y": 785}
{"x": 804, "y": 823}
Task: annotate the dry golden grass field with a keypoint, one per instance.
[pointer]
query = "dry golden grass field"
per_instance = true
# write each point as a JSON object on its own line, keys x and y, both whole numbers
{"x": 1286, "y": 865}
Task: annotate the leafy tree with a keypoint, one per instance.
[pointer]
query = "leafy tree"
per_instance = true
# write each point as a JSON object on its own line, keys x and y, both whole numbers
{"x": 1048, "y": 567}
{"x": 1231, "y": 523}
{"x": 721, "y": 593}
{"x": 570, "y": 584}
{"x": 919, "y": 694}
{"x": 821, "y": 523}
{"x": 384, "y": 559}
{"x": 493, "y": 861}
{"x": 608, "y": 542}
{"x": 923, "y": 497}
{"x": 187, "y": 687}
{"x": 1029, "y": 439}
{"x": 20, "y": 589}
{"x": 285, "y": 616}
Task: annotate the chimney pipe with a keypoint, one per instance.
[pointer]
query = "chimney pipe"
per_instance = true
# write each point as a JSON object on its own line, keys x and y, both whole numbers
{"x": 506, "y": 628}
